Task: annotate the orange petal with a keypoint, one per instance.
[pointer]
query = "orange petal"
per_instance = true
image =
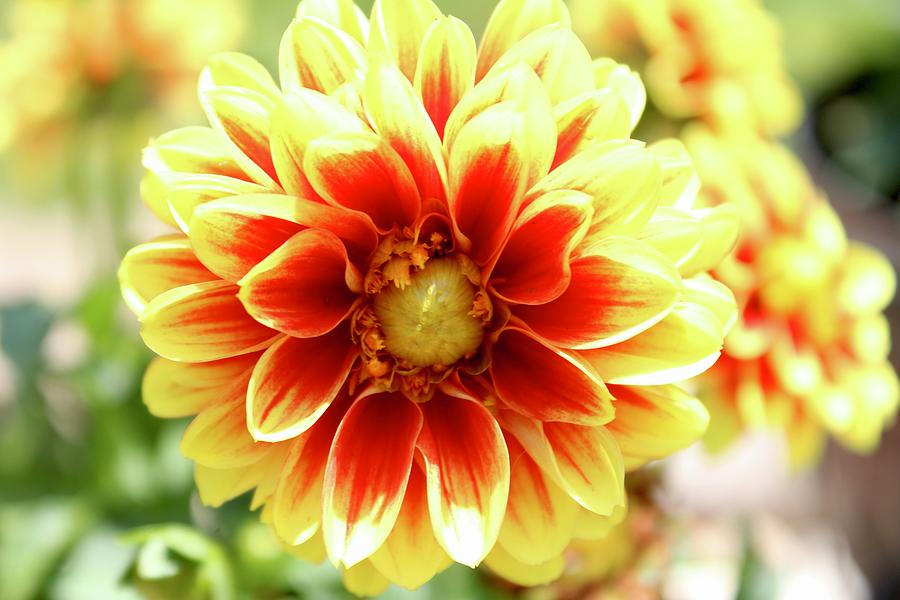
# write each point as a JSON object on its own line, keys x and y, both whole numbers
{"x": 218, "y": 436}
{"x": 233, "y": 235}
{"x": 654, "y": 422}
{"x": 398, "y": 28}
{"x": 175, "y": 389}
{"x": 584, "y": 461}
{"x": 362, "y": 172}
{"x": 150, "y": 269}
{"x": 511, "y": 21}
{"x": 315, "y": 55}
{"x": 243, "y": 116}
{"x": 533, "y": 267}
{"x": 367, "y": 474}
{"x": 202, "y": 322}
{"x": 305, "y": 288}
{"x": 467, "y": 468}
{"x": 544, "y": 383}
{"x": 446, "y": 68}
{"x": 540, "y": 517}
{"x": 297, "y": 501}
{"x": 411, "y": 556}
{"x": 295, "y": 381}
{"x": 303, "y": 116}
{"x": 622, "y": 288}
{"x": 396, "y": 112}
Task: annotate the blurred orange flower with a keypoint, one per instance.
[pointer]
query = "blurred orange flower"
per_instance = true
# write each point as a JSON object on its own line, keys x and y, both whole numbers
{"x": 431, "y": 302}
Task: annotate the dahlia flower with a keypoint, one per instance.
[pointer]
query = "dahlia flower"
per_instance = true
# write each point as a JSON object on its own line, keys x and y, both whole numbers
{"x": 716, "y": 60}
{"x": 809, "y": 352}
{"x": 430, "y": 302}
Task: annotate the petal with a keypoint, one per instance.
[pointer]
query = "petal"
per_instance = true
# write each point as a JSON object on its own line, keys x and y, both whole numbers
{"x": 588, "y": 118}
{"x": 218, "y": 436}
{"x": 243, "y": 116}
{"x": 364, "y": 580}
{"x": 621, "y": 288}
{"x": 501, "y": 562}
{"x": 511, "y": 21}
{"x": 869, "y": 281}
{"x": 367, "y": 474}
{"x": 714, "y": 296}
{"x": 199, "y": 150}
{"x": 362, "y": 172}
{"x": 627, "y": 85}
{"x": 467, "y": 469}
{"x": 654, "y": 422}
{"x": 303, "y": 116}
{"x": 341, "y": 14}
{"x": 533, "y": 267}
{"x": 297, "y": 501}
{"x": 684, "y": 344}
{"x": 233, "y": 235}
{"x": 676, "y": 233}
{"x": 218, "y": 486}
{"x": 175, "y": 389}
{"x": 546, "y": 384}
{"x": 488, "y": 177}
{"x": 311, "y": 551}
{"x": 411, "y": 556}
{"x": 239, "y": 70}
{"x": 540, "y": 517}
{"x": 623, "y": 178}
{"x": 446, "y": 68}
{"x": 202, "y": 322}
{"x": 315, "y": 55}
{"x": 398, "y": 28}
{"x": 154, "y": 191}
{"x": 584, "y": 461}
{"x": 150, "y": 269}
{"x": 187, "y": 192}
{"x": 558, "y": 57}
{"x": 396, "y": 112}
{"x": 680, "y": 182}
{"x": 721, "y": 227}
{"x": 305, "y": 288}
{"x": 295, "y": 381}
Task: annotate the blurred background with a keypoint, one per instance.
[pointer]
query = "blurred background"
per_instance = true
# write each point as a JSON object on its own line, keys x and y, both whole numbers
{"x": 95, "y": 500}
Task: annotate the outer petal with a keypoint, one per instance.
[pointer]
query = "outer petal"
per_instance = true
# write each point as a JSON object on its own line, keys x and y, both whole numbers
{"x": 295, "y": 381}
{"x": 192, "y": 150}
{"x": 537, "y": 380}
{"x": 303, "y": 116}
{"x": 187, "y": 192}
{"x": 305, "y": 288}
{"x": 175, "y": 389}
{"x": 446, "y": 68}
{"x": 150, "y": 269}
{"x": 218, "y": 486}
{"x": 540, "y": 517}
{"x": 584, "y": 461}
{"x": 608, "y": 74}
{"x": 501, "y": 562}
{"x": 533, "y": 267}
{"x": 396, "y": 112}
{"x": 297, "y": 501}
{"x": 411, "y": 555}
{"x": 511, "y": 21}
{"x": 684, "y": 344}
{"x": 680, "y": 180}
{"x": 621, "y": 288}
{"x": 233, "y": 235}
{"x": 317, "y": 56}
{"x": 218, "y": 436}
{"x": 367, "y": 474}
{"x": 675, "y": 233}
{"x": 341, "y": 14}
{"x": 398, "y": 28}
{"x": 558, "y": 57}
{"x": 588, "y": 118}
{"x": 202, "y": 322}
{"x": 721, "y": 227}
{"x": 243, "y": 116}
{"x": 623, "y": 178}
{"x": 364, "y": 580}
{"x": 239, "y": 70}
{"x": 654, "y": 422}
{"x": 362, "y": 172}
{"x": 467, "y": 467}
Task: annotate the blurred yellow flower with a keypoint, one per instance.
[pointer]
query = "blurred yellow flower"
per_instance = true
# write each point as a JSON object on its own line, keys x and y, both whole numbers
{"x": 429, "y": 300}
{"x": 809, "y": 352}
{"x": 716, "y": 60}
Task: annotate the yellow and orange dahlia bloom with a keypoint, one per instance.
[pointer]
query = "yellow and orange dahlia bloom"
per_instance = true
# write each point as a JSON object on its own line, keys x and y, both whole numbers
{"x": 720, "y": 61}
{"x": 809, "y": 354}
{"x": 431, "y": 302}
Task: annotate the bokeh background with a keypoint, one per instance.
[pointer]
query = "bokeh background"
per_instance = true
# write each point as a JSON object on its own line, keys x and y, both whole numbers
{"x": 95, "y": 500}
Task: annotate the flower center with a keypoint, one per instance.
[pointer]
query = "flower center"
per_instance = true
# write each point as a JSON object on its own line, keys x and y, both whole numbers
{"x": 430, "y": 321}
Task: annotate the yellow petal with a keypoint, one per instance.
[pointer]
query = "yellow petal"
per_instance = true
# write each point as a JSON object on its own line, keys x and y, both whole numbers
{"x": 869, "y": 281}
{"x": 507, "y": 567}
{"x": 675, "y": 233}
{"x": 364, "y": 580}
{"x": 398, "y": 28}
{"x": 239, "y": 70}
{"x": 680, "y": 182}
{"x": 721, "y": 227}
{"x": 340, "y": 14}
{"x": 511, "y": 21}
{"x": 315, "y": 55}
{"x": 608, "y": 74}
